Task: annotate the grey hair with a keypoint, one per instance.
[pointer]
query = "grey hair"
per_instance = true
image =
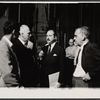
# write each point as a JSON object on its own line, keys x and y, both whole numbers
{"x": 84, "y": 30}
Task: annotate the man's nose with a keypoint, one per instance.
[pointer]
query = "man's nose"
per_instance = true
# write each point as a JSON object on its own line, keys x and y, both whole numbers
{"x": 74, "y": 38}
{"x": 47, "y": 38}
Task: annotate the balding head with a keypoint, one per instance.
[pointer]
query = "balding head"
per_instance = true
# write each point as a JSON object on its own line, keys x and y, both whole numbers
{"x": 24, "y": 33}
{"x": 24, "y": 28}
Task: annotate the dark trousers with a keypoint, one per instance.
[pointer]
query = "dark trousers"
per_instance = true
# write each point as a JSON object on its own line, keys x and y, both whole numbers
{"x": 78, "y": 82}
{"x": 69, "y": 68}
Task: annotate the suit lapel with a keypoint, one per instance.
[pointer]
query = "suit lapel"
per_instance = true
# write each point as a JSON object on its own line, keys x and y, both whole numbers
{"x": 83, "y": 55}
{"x": 20, "y": 43}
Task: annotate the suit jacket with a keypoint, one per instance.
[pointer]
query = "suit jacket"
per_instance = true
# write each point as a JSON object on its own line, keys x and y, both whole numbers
{"x": 8, "y": 65}
{"x": 26, "y": 64}
{"x": 52, "y": 63}
{"x": 91, "y": 63}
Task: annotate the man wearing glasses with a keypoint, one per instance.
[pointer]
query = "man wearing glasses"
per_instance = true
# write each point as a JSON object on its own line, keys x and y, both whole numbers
{"x": 22, "y": 48}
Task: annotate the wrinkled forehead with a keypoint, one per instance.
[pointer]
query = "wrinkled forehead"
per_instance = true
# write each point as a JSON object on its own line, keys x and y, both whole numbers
{"x": 50, "y": 32}
{"x": 78, "y": 32}
{"x": 25, "y": 28}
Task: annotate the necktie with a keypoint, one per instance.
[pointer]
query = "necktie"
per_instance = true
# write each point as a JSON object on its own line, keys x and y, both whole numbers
{"x": 26, "y": 44}
{"x": 77, "y": 56}
{"x": 49, "y": 49}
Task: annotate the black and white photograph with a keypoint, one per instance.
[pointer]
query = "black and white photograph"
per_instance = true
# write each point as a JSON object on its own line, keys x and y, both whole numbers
{"x": 51, "y": 48}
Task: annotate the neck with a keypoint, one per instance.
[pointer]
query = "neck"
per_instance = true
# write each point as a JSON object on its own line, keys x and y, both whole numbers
{"x": 52, "y": 42}
{"x": 85, "y": 41}
{"x": 8, "y": 36}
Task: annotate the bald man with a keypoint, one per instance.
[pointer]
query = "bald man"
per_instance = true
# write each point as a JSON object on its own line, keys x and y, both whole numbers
{"x": 25, "y": 57}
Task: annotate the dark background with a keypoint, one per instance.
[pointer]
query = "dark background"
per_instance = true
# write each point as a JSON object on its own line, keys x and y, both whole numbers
{"x": 64, "y": 18}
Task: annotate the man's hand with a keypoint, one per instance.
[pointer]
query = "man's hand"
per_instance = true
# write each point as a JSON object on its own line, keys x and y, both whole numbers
{"x": 10, "y": 80}
{"x": 57, "y": 85}
{"x": 86, "y": 77}
{"x": 41, "y": 54}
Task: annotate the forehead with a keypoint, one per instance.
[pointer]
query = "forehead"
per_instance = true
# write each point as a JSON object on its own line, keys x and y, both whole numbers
{"x": 25, "y": 28}
{"x": 77, "y": 32}
{"x": 50, "y": 32}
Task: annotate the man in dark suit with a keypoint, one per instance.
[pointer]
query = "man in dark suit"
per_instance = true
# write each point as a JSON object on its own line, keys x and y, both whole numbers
{"x": 9, "y": 66}
{"x": 87, "y": 71}
{"x": 22, "y": 48}
{"x": 52, "y": 66}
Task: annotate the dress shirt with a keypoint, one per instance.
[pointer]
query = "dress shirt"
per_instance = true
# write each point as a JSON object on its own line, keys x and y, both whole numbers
{"x": 70, "y": 51}
{"x": 79, "y": 72}
{"x": 76, "y": 54}
{"x": 52, "y": 45}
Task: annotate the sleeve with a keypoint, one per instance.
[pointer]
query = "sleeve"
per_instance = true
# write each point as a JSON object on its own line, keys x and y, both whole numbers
{"x": 5, "y": 68}
{"x": 95, "y": 52}
{"x": 2, "y": 83}
{"x": 66, "y": 52}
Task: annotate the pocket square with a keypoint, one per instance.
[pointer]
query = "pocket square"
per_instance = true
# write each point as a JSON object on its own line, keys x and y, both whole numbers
{"x": 54, "y": 54}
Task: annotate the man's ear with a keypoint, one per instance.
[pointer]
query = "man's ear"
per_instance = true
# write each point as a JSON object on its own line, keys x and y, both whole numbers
{"x": 20, "y": 32}
{"x": 83, "y": 37}
{"x": 13, "y": 31}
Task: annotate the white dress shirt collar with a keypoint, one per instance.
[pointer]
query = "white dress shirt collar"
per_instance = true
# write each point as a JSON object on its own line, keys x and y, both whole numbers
{"x": 52, "y": 45}
{"x": 84, "y": 43}
{"x": 9, "y": 42}
{"x": 21, "y": 41}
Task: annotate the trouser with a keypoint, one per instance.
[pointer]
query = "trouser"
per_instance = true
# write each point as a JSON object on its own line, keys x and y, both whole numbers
{"x": 78, "y": 82}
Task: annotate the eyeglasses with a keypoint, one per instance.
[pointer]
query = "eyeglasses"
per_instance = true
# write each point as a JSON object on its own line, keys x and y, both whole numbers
{"x": 29, "y": 33}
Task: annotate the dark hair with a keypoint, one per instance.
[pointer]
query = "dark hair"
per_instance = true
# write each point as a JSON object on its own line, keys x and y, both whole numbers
{"x": 53, "y": 32}
{"x": 9, "y": 26}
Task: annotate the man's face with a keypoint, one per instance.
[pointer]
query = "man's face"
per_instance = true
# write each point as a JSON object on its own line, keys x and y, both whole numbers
{"x": 25, "y": 32}
{"x": 50, "y": 36}
{"x": 78, "y": 37}
{"x": 71, "y": 42}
